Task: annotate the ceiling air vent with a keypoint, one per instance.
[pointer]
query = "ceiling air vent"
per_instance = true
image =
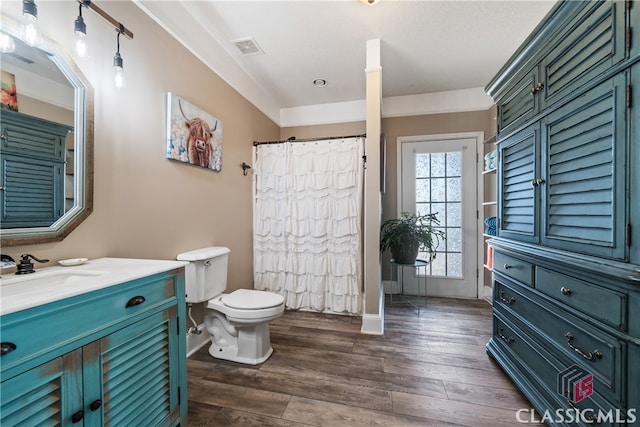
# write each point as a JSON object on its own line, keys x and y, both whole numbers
{"x": 248, "y": 46}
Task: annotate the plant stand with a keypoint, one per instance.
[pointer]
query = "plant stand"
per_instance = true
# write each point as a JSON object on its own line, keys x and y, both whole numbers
{"x": 413, "y": 300}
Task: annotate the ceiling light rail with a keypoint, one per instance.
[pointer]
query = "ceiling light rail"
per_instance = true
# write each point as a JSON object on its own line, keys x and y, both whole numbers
{"x": 293, "y": 139}
{"x": 115, "y": 23}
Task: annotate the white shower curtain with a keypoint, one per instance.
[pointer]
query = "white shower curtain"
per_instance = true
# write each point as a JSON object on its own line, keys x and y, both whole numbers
{"x": 307, "y": 223}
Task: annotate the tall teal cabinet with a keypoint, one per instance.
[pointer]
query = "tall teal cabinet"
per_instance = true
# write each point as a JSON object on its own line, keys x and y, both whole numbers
{"x": 566, "y": 273}
{"x": 110, "y": 357}
{"x": 32, "y": 170}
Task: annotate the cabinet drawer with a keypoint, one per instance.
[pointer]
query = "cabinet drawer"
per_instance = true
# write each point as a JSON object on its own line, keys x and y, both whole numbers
{"x": 590, "y": 299}
{"x": 534, "y": 361}
{"x": 568, "y": 337}
{"x": 73, "y": 321}
{"x": 513, "y": 267}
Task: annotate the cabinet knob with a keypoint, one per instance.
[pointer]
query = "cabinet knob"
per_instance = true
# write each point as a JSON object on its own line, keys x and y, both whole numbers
{"x": 565, "y": 291}
{"x": 95, "y": 405}
{"x": 537, "y": 181}
{"x": 507, "y": 266}
{"x": 6, "y": 348}
{"x": 77, "y": 417}
{"x": 537, "y": 88}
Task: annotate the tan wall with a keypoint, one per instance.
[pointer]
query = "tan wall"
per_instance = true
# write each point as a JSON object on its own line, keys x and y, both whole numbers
{"x": 320, "y": 131}
{"x": 393, "y": 128}
{"x": 147, "y": 206}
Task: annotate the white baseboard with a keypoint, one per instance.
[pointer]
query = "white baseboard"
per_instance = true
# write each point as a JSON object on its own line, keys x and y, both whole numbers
{"x": 373, "y": 324}
{"x": 196, "y": 341}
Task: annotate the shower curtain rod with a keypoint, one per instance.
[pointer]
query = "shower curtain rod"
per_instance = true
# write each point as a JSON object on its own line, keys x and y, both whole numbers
{"x": 293, "y": 139}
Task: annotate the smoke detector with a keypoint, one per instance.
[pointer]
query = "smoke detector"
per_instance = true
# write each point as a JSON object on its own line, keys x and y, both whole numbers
{"x": 248, "y": 46}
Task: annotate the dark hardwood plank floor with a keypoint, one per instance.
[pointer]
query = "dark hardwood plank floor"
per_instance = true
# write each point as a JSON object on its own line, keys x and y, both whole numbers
{"x": 429, "y": 369}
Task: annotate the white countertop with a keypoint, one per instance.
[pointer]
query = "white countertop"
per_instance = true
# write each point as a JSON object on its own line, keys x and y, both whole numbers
{"x": 19, "y": 292}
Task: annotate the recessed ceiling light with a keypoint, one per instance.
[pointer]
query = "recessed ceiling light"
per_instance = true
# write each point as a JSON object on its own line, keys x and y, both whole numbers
{"x": 369, "y": 2}
{"x": 320, "y": 82}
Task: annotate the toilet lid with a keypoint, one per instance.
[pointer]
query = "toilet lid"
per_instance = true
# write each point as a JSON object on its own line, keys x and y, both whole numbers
{"x": 246, "y": 299}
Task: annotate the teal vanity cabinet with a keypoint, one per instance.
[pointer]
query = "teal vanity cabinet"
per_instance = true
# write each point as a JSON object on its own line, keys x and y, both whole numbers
{"x": 32, "y": 170}
{"x": 566, "y": 275}
{"x": 114, "y": 356}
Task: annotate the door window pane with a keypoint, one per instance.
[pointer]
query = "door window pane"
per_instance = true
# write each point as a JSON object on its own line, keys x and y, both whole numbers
{"x": 439, "y": 190}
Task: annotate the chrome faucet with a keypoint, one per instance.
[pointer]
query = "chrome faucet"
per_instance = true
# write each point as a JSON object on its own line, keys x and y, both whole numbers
{"x": 26, "y": 266}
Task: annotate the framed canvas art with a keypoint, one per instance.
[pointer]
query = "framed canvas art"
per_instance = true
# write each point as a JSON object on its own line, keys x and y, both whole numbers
{"x": 8, "y": 91}
{"x": 193, "y": 136}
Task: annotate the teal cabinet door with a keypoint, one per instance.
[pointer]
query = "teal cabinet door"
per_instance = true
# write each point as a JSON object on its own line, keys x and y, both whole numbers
{"x": 593, "y": 41}
{"x": 585, "y": 163}
{"x": 519, "y": 103}
{"x": 135, "y": 374}
{"x": 48, "y": 395}
{"x": 32, "y": 170}
{"x": 518, "y": 170}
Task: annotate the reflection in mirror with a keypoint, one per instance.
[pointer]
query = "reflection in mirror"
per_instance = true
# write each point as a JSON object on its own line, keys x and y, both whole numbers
{"x": 46, "y": 141}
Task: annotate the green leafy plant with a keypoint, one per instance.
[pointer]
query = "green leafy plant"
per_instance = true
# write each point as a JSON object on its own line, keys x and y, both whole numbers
{"x": 410, "y": 234}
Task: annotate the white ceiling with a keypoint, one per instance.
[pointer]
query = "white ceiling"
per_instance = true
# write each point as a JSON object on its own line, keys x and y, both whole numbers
{"x": 426, "y": 48}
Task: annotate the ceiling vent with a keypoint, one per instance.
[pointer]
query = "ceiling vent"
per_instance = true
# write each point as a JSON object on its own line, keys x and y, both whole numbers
{"x": 248, "y": 46}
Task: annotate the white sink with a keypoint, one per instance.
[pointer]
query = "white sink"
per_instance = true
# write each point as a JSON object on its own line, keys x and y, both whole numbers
{"x": 48, "y": 277}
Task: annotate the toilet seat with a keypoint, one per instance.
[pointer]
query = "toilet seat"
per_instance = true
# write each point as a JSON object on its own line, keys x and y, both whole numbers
{"x": 266, "y": 306}
{"x": 246, "y": 299}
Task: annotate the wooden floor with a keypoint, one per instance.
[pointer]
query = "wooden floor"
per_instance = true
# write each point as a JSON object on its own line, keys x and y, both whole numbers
{"x": 429, "y": 369}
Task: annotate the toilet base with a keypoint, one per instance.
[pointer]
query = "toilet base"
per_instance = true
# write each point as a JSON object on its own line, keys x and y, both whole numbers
{"x": 231, "y": 354}
{"x": 241, "y": 343}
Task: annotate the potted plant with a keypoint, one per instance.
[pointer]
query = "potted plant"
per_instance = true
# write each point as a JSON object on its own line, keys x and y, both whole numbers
{"x": 410, "y": 234}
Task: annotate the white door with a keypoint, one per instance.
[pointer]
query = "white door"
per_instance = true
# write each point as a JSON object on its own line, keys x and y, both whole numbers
{"x": 438, "y": 175}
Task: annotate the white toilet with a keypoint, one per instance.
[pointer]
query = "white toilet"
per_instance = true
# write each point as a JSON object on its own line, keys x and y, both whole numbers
{"x": 238, "y": 323}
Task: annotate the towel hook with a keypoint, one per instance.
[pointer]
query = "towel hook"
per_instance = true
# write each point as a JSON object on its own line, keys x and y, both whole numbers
{"x": 244, "y": 168}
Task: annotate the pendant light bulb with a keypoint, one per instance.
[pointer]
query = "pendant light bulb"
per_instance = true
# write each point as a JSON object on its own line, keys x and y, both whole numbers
{"x": 80, "y": 29}
{"x": 7, "y": 45}
{"x": 30, "y": 32}
{"x": 118, "y": 71}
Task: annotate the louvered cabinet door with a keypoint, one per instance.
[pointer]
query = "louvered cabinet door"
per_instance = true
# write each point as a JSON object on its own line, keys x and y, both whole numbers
{"x": 137, "y": 370}
{"x": 584, "y": 201}
{"x": 593, "y": 42}
{"x": 518, "y": 170}
{"x": 47, "y": 395}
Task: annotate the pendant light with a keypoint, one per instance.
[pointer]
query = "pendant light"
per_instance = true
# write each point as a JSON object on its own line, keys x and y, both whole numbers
{"x": 30, "y": 32}
{"x": 7, "y": 45}
{"x": 117, "y": 64}
{"x": 80, "y": 29}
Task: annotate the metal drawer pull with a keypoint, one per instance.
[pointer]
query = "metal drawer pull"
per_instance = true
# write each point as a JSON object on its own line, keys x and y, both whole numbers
{"x": 504, "y": 338}
{"x": 6, "y": 348}
{"x": 592, "y": 355}
{"x": 504, "y": 300}
{"x": 565, "y": 291}
{"x": 507, "y": 266}
{"x": 587, "y": 417}
{"x": 137, "y": 300}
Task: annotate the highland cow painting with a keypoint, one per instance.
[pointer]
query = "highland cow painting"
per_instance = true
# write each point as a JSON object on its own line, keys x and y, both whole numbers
{"x": 193, "y": 136}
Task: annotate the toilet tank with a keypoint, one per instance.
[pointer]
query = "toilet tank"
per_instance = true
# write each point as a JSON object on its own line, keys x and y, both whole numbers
{"x": 206, "y": 273}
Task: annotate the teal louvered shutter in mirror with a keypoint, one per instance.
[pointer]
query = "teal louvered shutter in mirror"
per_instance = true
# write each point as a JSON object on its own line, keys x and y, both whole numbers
{"x": 33, "y": 191}
{"x": 32, "y": 170}
{"x": 584, "y": 199}
{"x": 518, "y": 168}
